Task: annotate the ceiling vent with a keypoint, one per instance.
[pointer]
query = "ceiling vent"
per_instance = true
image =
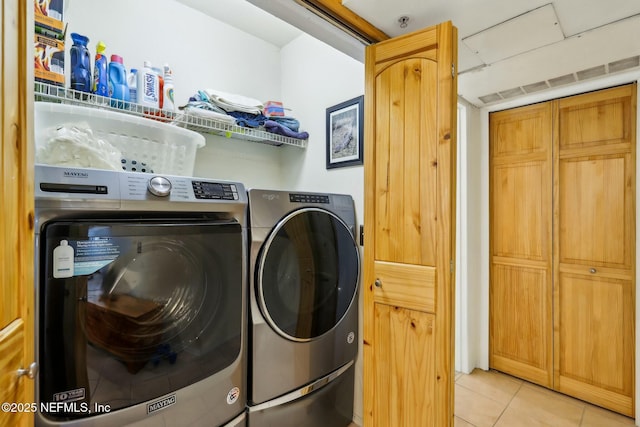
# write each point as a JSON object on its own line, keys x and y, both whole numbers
{"x": 511, "y": 93}
{"x": 492, "y": 97}
{"x": 589, "y": 73}
{"x": 624, "y": 64}
{"x": 562, "y": 80}
{"x": 535, "y": 87}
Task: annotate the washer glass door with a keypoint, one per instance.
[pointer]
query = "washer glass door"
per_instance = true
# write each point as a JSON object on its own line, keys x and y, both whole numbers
{"x": 132, "y": 310}
{"x": 307, "y": 274}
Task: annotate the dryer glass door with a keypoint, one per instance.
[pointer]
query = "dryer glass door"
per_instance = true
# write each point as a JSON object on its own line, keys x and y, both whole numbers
{"x": 307, "y": 275}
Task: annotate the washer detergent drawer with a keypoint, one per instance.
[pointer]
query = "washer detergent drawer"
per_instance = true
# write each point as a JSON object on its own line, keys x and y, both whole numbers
{"x": 130, "y": 311}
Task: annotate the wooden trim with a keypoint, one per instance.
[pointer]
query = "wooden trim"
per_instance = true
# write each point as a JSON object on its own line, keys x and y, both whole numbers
{"x": 334, "y": 12}
{"x": 446, "y": 235}
{"x": 369, "y": 233}
{"x": 16, "y": 192}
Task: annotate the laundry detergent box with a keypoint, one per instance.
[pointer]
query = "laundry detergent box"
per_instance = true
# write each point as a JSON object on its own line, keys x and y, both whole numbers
{"x": 49, "y": 14}
{"x": 48, "y": 60}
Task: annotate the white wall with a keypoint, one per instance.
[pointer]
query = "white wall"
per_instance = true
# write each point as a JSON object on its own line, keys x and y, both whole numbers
{"x": 468, "y": 298}
{"x": 315, "y": 76}
{"x": 203, "y": 53}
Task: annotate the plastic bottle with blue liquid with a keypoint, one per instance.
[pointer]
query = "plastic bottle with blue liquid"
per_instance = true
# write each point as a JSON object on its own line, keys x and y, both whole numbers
{"x": 100, "y": 81}
{"x": 118, "y": 88}
{"x": 80, "y": 63}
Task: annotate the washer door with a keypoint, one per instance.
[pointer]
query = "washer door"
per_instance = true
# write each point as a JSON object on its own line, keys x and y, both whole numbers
{"x": 307, "y": 275}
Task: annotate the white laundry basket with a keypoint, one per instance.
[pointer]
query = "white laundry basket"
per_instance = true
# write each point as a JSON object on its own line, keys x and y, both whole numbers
{"x": 162, "y": 147}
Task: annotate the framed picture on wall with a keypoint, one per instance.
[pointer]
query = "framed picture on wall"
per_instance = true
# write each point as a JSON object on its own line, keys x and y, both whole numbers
{"x": 345, "y": 127}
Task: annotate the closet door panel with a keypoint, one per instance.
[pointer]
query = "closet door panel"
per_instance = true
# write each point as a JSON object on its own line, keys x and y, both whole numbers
{"x": 519, "y": 299}
{"x": 518, "y": 219}
{"x": 595, "y": 240}
{"x": 581, "y": 119}
{"x": 595, "y": 346}
{"x": 520, "y": 330}
{"x": 594, "y": 207}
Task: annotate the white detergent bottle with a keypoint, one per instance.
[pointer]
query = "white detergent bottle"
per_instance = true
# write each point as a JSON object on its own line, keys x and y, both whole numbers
{"x": 148, "y": 87}
{"x": 132, "y": 81}
{"x": 63, "y": 260}
{"x": 169, "y": 100}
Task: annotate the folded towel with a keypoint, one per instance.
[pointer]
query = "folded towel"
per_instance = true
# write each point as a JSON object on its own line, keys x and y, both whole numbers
{"x": 233, "y": 102}
{"x": 208, "y": 114}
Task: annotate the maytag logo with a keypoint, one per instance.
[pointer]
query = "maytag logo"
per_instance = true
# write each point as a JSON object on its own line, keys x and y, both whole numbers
{"x": 75, "y": 174}
{"x": 270, "y": 196}
{"x": 161, "y": 404}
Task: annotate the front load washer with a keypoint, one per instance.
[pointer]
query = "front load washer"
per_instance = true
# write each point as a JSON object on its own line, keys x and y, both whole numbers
{"x": 304, "y": 278}
{"x": 140, "y": 299}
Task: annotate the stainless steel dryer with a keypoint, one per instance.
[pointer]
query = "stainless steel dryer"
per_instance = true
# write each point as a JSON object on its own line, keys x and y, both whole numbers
{"x": 304, "y": 276}
{"x": 140, "y": 299}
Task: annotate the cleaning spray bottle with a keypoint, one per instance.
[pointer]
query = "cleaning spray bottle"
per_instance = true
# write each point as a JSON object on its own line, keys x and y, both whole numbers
{"x": 100, "y": 82}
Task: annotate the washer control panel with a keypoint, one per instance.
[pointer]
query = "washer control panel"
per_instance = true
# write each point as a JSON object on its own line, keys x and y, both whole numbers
{"x": 53, "y": 182}
{"x": 214, "y": 190}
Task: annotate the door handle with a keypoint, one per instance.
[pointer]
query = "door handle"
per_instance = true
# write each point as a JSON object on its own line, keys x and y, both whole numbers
{"x": 29, "y": 373}
{"x": 378, "y": 283}
{"x": 593, "y": 270}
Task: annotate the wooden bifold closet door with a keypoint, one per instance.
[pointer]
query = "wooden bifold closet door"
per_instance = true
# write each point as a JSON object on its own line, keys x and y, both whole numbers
{"x": 562, "y": 208}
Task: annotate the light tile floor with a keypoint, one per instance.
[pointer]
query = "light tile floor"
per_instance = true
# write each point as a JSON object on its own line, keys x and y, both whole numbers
{"x": 493, "y": 399}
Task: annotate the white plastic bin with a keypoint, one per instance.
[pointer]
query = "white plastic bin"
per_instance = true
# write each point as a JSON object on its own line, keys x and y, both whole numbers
{"x": 165, "y": 149}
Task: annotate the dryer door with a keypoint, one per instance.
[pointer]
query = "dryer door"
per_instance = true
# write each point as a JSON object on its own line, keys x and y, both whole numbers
{"x": 307, "y": 275}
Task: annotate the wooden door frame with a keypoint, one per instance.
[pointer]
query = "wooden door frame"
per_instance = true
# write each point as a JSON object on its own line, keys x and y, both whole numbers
{"x": 16, "y": 155}
{"x": 482, "y": 274}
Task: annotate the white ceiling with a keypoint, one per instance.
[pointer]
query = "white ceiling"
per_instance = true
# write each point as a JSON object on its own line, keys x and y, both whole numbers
{"x": 507, "y": 48}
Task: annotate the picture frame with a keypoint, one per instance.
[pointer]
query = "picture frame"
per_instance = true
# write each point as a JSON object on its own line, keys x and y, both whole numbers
{"x": 345, "y": 130}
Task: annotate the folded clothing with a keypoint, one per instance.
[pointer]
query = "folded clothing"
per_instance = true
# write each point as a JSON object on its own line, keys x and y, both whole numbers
{"x": 247, "y": 119}
{"x": 232, "y": 102}
{"x": 289, "y": 122}
{"x": 275, "y": 127}
{"x": 205, "y": 113}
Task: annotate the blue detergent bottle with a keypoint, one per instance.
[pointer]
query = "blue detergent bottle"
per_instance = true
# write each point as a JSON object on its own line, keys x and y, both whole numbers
{"x": 118, "y": 88}
{"x": 100, "y": 83}
{"x": 80, "y": 63}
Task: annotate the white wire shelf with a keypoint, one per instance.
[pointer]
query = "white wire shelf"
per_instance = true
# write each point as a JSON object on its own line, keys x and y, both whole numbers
{"x": 52, "y": 93}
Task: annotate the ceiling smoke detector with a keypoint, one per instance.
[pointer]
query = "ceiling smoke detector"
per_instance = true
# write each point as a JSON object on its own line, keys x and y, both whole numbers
{"x": 403, "y": 21}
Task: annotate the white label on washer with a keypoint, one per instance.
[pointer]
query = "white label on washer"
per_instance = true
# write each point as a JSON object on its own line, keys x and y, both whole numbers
{"x": 351, "y": 337}
{"x": 233, "y": 395}
{"x": 94, "y": 254}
